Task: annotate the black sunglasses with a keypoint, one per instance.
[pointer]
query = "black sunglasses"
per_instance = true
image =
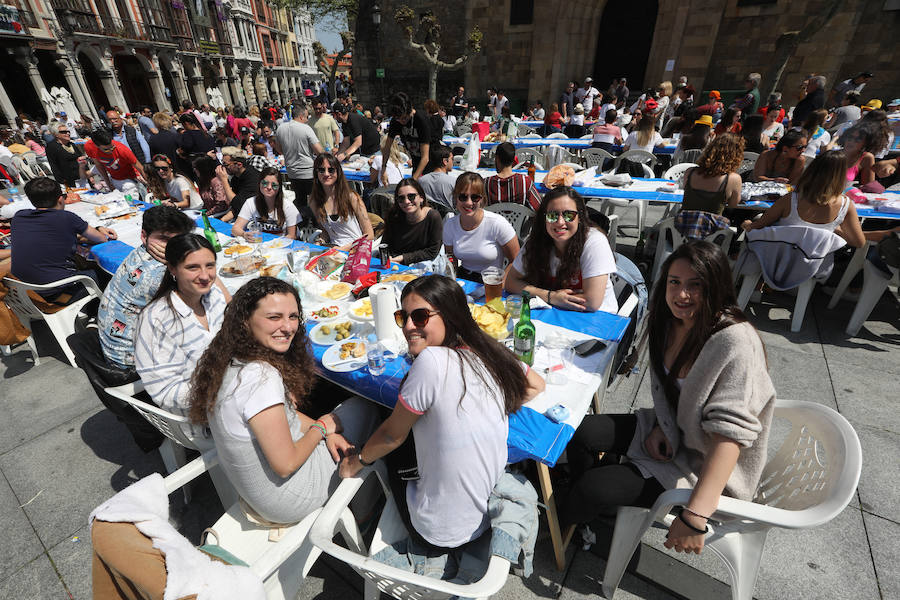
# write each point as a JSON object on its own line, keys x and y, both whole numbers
{"x": 158, "y": 168}
{"x": 409, "y": 197}
{"x": 419, "y": 316}
{"x": 324, "y": 170}
{"x": 466, "y": 197}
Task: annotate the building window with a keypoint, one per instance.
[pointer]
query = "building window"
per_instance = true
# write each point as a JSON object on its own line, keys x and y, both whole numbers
{"x": 521, "y": 12}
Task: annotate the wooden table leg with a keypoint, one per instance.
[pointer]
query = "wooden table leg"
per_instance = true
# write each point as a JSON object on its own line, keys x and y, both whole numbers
{"x": 559, "y": 542}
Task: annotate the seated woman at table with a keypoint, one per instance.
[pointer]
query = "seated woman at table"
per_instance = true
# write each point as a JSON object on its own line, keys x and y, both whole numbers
{"x": 553, "y": 122}
{"x": 645, "y": 137}
{"x": 730, "y": 122}
{"x": 458, "y": 395}
{"x": 784, "y": 162}
{"x": 412, "y": 230}
{"x": 713, "y": 403}
{"x": 714, "y": 183}
{"x": 507, "y": 186}
{"x": 860, "y": 142}
{"x": 394, "y": 165}
{"x": 478, "y": 238}
{"x": 818, "y": 201}
{"x": 212, "y": 190}
{"x": 339, "y": 211}
{"x": 565, "y": 261}
{"x": 607, "y": 134}
{"x": 269, "y": 208}
{"x": 169, "y": 188}
{"x": 251, "y": 386}
{"x": 180, "y": 322}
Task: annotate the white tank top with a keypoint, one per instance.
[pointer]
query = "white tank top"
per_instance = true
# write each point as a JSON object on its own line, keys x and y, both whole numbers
{"x": 342, "y": 232}
{"x": 794, "y": 217}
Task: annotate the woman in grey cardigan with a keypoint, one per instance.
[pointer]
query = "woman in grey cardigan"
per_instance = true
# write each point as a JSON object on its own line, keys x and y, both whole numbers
{"x": 712, "y": 406}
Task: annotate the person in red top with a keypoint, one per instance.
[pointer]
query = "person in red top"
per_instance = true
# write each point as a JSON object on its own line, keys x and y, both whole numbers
{"x": 507, "y": 186}
{"x": 730, "y": 123}
{"x": 553, "y": 122}
{"x": 115, "y": 162}
{"x": 713, "y": 106}
{"x": 774, "y": 103}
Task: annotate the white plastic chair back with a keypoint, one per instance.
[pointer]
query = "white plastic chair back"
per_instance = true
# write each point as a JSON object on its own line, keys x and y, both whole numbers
{"x": 458, "y": 146}
{"x": 676, "y": 172}
{"x": 467, "y": 136}
{"x": 531, "y": 135}
{"x": 24, "y": 170}
{"x": 575, "y": 166}
{"x": 809, "y": 481}
{"x": 557, "y": 136}
{"x": 522, "y": 130}
{"x": 638, "y": 156}
{"x": 594, "y": 157}
{"x": 308, "y": 234}
{"x": 587, "y": 136}
{"x": 517, "y": 215}
{"x": 457, "y": 160}
{"x": 61, "y": 322}
{"x": 526, "y": 154}
{"x": 691, "y": 156}
{"x": 671, "y": 239}
{"x": 875, "y": 282}
{"x": 748, "y": 162}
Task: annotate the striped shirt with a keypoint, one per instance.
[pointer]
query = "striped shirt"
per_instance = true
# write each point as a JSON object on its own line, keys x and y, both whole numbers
{"x": 169, "y": 344}
{"x": 517, "y": 188}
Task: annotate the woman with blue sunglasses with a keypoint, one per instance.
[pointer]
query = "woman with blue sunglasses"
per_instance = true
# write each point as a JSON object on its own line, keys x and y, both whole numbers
{"x": 566, "y": 262}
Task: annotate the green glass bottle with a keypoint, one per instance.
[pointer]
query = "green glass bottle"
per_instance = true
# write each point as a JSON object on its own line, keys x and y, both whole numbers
{"x": 210, "y": 233}
{"x": 524, "y": 333}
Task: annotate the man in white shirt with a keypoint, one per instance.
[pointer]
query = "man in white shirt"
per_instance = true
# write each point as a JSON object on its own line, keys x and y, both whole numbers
{"x": 585, "y": 96}
{"x": 500, "y": 101}
{"x": 300, "y": 145}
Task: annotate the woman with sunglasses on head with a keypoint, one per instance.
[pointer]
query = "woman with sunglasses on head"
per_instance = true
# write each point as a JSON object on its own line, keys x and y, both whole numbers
{"x": 565, "y": 262}
{"x": 274, "y": 213}
{"x": 412, "y": 230}
{"x": 478, "y": 238}
{"x": 176, "y": 327}
{"x": 784, "y": 162}
{"x": 457, "y": 396}
{"x": 338, "y": 210}
{"x": 251, "y": 388}
{"x": 713, "y": 403}
{"x": 169, "y": 188}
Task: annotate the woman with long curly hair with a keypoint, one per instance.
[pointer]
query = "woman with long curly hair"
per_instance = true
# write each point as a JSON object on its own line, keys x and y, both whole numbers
{"x": 456, "y": 399}
{"x": 713, "y": 403}
{"x": 338, "y": 210}
{"x": 566, "y": 262}
{"x": 714, "y": 183}
{"x": 251, "y": 386}
{"x": 274, "y": 213}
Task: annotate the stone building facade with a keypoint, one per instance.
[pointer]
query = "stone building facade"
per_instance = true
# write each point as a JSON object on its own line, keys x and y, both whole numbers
{"x": 533, "y": 48}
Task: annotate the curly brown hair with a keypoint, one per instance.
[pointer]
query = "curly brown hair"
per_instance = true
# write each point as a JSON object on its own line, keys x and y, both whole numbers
{"x": 722, "y": 156}
{"x": 235, "y": 341}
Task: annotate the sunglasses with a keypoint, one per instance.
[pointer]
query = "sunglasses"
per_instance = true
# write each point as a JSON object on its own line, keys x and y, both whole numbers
{"x": 419, "y": 316}
{"x": 567, "y": 215}
{"x": 328, "y": 170}
{"x": 407, "y": 197}
{"x": 803, "y": 147}
{"x": 62, "y": 131}
{"x": 467, "y": 197}
{"x": 160, "y": 168}
{"x": 270, "y": 184}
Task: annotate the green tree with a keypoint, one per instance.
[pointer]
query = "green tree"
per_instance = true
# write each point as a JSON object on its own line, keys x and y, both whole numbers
{"x": 423, "y": 34}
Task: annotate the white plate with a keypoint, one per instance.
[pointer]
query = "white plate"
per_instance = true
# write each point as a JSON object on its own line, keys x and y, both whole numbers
{"x": 332, "y": 360}
{"x": 308, "y": 312}
{"x": 324, "y": 286}
{"x": 277, "y": 243}
{"x": 357, "y": 330}
{"x": 358, "y": 305}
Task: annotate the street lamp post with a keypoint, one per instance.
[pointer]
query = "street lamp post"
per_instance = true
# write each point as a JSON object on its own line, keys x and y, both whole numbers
{"x": 379, "y": 70}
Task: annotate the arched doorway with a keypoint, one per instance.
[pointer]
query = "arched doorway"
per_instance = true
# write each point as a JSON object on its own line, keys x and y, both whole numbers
{"x": 170, "y": 89}
{"x": 22, "y": 95}
{"x": 624, "y": 39}
{"x": 92, "y": 79}
{"x": 134, "y": 81}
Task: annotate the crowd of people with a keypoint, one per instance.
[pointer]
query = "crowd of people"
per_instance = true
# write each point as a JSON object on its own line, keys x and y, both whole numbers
{"x": 241, "y": 365}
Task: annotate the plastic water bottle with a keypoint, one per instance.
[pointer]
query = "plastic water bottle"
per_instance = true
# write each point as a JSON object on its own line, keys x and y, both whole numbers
{"x": 14, "y": 194}
{"x": 375, "y": 356}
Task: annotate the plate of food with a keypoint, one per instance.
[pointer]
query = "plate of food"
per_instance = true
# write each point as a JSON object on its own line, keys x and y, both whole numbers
{"x": 345, "y": 356}
{"x": 328, "y": 333}
{"x": 404, "y": 277}
{"x": 333, "y": 290}
{"x": 237, "y": 250}
{"x": 361, "y": 310}
{"x": 325, "y": 312}
{"x": 244, "y": 265}
{"x": 271, "y": 270}
{"x": 491, "y": 321}
{"x": 277, "y": 243}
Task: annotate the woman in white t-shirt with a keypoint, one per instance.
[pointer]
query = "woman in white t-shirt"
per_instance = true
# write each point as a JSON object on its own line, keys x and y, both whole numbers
{"x": 644, "y": 137}
{"x": 269, "y": 208}
{"x": 338, "y": 210}
{"x": 476, "y": 237}
{"x": 457, "y": 397}
{"x": 394, "y": 166}
{"x": 566, "y": 262}
{"x": 251, "y": 386}
{"x": 170, "y": 188}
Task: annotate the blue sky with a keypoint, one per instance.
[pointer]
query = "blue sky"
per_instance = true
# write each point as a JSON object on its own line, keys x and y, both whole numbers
{"x": 329, "y": 39}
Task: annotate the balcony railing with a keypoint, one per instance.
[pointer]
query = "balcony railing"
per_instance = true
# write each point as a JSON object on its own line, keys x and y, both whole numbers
{"x": 82, "y": 22}
{"x": 26, "y": 17}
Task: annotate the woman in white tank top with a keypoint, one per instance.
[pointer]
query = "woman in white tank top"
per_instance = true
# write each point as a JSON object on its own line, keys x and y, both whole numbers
{"x": 338, "y": 211}
{"x": 817, "y": 202}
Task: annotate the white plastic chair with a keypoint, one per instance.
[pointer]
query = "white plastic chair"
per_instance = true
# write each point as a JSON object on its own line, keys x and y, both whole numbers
{"x": 587, "y": 136}
{"x": 281, "y": 565}
{"x": 613, "y": 233}
{"x": 808, "y": 483}
{"x": 381, "y": 578}
{"x": 748, "y": 162}
{"x": 308, "y": 234}
{"x": 595, "y": 157}
{"x": 670, "y": 239}
{"x": 174, "y": 427}
{"x": 60, "y": 322}
{"x": 638, "y": 156}
{"x": 804, "y": 293}
{"x": 875, "y": 282}
{"x": 676, "y": 172}
{"x": 523, "y": 130}
{"x": 517, "y": 215}
{"x": 575, "y": 166}
{"x": 557, "y": 136}
{"x": 526, "y": 154}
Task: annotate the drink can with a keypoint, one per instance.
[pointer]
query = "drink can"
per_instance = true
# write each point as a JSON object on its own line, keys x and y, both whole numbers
{"x": 384, "y": 255}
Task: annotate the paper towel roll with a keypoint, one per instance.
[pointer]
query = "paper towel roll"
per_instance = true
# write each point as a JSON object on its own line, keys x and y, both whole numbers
{"x": 384, "y": 303}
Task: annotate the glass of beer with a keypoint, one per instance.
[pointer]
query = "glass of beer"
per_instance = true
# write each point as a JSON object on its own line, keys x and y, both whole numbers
{"x": 492, "y": 277}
